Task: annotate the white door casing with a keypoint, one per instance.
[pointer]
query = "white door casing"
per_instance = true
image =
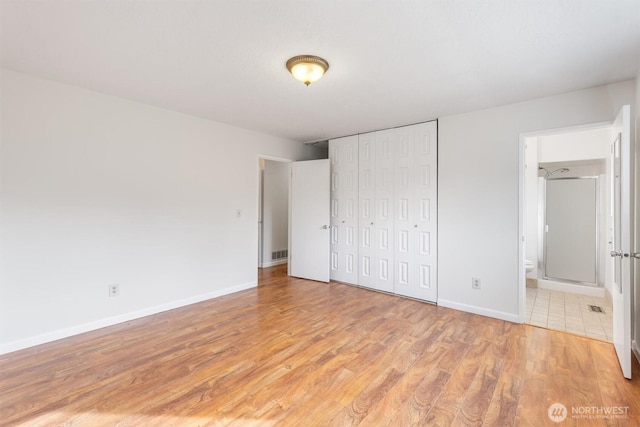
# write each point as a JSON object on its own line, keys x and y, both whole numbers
{"x": 309, "y": 225}
{"x": 260, "y": 212}
{"x": 623, "y": 215}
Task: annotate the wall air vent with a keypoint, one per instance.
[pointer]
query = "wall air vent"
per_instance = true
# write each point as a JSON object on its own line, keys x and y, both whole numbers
{"x": 280, "y": 254}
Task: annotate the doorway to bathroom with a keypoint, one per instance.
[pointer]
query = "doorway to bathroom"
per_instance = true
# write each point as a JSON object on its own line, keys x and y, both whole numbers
{"x": 562, "y": 302}
{"x": 569, "y": 231}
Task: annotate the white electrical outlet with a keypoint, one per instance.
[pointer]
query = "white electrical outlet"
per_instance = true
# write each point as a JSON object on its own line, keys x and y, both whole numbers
{"x": 475, "y": 283}
{"x": 114, "y": 289}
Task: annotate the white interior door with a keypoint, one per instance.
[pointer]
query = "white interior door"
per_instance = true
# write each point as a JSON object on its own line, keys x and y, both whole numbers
{"x": 309, "y": 220}
{"x": 622, "y": 215}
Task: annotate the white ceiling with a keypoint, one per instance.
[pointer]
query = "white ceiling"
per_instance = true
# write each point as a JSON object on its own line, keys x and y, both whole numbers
{"x": 391, "y": 62}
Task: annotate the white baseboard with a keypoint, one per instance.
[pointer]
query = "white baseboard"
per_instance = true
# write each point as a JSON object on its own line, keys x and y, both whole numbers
{"x": 110, "y": 321}
{"x": 275, "y": 262}
{"x": 509, "y": 317}
{"x": 636, "y": 349}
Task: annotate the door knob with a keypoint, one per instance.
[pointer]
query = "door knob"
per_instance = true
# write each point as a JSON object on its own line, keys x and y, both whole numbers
{"x": 616, "y": 253}
{"x": 325, "y": 227}
{"x": 636, "y": 255}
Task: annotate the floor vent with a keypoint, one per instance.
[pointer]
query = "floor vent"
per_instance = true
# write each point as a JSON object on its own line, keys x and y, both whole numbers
{"x": 596, "y": 309}
{"x": 280, "y": 254}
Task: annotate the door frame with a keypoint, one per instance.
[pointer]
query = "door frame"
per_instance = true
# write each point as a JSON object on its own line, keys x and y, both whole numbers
{"x": 522, "y": 214}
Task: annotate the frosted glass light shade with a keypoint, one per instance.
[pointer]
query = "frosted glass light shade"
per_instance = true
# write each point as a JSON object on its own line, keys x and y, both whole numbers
{"x": 307, "y": 68}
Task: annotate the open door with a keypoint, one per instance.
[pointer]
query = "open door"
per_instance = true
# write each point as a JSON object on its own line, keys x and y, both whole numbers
{"x": 622, "y": 217}
{"x": 309, "y": 220}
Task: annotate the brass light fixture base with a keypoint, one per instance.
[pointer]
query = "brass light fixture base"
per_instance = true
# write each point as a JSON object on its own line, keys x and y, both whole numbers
{"x": 307, "y": 68}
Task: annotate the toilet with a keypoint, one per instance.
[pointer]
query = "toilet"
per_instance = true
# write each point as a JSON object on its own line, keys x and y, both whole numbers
{"x": 528, "y": 265}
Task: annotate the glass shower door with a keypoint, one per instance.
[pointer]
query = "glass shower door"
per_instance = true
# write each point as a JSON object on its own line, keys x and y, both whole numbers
{"x": 571, "y": 229}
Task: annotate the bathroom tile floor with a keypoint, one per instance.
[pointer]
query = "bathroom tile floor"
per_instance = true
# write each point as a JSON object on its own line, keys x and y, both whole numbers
{"x": 570, "y": 312}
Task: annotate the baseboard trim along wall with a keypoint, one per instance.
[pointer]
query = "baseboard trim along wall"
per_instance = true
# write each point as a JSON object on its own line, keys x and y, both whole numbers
{"x": 636, "y": 349}
{"x": 509, "y": 317}
{"x": 110, "y": 321}
{"x": 275, "y": 262}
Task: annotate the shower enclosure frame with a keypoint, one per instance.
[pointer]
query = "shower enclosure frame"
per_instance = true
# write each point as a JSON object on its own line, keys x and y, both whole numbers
{"x": 544, "y": 233}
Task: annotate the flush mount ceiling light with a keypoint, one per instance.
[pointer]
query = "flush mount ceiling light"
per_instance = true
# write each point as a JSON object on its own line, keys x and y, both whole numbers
{"x": 307, "y": 68}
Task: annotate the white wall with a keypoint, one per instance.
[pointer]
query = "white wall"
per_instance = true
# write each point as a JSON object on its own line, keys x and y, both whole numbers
{"x": 574, "y": 146}
{"x": 275, "y": 215}
{"x": 97, "y": 190}
{"x": 479, "y": 192}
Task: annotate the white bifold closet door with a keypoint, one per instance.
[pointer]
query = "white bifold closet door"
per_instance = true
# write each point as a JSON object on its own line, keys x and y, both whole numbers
{"x": 343, "y": 153}
{"x": 415, "y": 198}
{"x": 376, "y": 210}
{"x": 367, "y": 245}
{"x": 383, "y": 212}
{"x": 396, "y": 204}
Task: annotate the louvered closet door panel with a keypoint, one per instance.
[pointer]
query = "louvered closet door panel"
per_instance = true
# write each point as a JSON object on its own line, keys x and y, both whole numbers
{"x": 384, "y": 210}
{"x": 344, "y": 209}
{"x": 367, "y": 259}
{"x": 404, "y": 205}
{"x": 425, "y": 211}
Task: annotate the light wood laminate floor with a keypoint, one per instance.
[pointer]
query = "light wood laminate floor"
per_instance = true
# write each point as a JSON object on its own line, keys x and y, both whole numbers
{"x": 302, "y": 353}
